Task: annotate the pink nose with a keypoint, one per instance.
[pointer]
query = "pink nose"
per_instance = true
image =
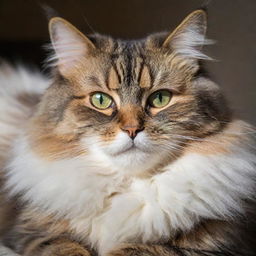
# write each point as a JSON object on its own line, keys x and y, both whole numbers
{"x": 132, "y": 130}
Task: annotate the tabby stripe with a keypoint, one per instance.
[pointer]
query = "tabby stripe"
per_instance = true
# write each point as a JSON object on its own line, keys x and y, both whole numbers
{"x": 77, "y": 97}
{"x": 31, "y": 243}
{"x": 94, "y": 80}
{"x": 139, "y": 70}
{"x": 120, "y": 70}
{"x": 128, "y": 77}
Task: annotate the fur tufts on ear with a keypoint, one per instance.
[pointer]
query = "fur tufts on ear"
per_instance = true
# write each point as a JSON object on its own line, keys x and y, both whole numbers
{"x": 189, "y": 37}
{"x": 69, "y": 45}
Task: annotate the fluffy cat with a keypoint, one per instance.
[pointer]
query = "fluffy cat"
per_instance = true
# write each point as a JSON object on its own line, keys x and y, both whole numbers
{"x": 131, "y": 150}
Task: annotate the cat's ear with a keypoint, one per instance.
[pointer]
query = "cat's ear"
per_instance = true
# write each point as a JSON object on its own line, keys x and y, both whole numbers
{"x": 69, "y": 44}
{"x": 189, "y": 37}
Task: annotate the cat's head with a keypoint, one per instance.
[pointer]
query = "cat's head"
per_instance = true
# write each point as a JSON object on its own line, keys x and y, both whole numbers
{"x": 132, "y": 104}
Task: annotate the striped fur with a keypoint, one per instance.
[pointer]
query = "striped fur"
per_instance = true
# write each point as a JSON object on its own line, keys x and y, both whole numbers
{"x": 74, "y": 182}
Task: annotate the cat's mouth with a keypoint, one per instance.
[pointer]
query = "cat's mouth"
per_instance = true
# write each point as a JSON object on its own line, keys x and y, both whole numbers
{"x": 124, "y": 145}
{"x": 132, "y": 148}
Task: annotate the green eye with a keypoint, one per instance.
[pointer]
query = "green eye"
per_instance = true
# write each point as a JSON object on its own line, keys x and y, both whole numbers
{"x": 159, "y": 99}
{"x": 101, "y": 100}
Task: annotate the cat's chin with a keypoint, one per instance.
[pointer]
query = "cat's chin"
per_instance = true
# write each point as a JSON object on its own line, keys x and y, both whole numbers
{"x": 132, "y": 149}
{"x": 133, "y": 160}
{"x": 123, "y": 144}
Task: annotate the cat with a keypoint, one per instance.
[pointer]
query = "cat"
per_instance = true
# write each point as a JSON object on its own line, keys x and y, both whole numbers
{"x": 128, "y": 149}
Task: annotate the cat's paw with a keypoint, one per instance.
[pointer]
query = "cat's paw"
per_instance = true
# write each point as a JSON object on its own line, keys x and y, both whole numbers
{"x": 138, "y": 250}
{"x": 58, "y": 250}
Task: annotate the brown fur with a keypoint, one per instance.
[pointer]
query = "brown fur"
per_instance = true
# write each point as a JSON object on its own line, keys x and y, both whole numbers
{"x": 129, "y": 72}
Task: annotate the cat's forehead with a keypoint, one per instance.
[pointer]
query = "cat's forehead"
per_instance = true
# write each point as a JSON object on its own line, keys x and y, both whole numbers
{"x": 127, "y": 64}
{"x": 116, "y": 65}
{"x": 128, "y": 67}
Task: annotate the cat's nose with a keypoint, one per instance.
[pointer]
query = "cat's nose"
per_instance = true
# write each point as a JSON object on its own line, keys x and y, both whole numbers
{"x": 132, "y": 131}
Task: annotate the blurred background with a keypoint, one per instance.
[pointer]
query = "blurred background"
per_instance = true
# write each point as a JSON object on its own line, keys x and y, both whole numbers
{"x": 232, "y": 23}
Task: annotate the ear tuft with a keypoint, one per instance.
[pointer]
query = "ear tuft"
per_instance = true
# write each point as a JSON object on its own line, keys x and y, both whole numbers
{"x": 189, "y": 37}
{"x": 68, "y": 43}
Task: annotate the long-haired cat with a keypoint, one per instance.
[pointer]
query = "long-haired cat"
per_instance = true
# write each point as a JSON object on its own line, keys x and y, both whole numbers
{"x": 131, "y": 150}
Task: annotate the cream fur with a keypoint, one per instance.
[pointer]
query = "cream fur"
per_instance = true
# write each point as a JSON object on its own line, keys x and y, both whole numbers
{"x": 194, "y": 187}
{"x": 4, "y": 251}
{"x": 13, "y": 114}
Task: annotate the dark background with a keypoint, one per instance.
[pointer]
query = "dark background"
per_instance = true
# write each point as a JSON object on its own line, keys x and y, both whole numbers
{"x": 232, "y": 23}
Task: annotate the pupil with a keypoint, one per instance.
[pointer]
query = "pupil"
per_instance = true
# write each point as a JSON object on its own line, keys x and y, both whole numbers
{"x": 160, "y": 97}
{"x": 101, "y": 99}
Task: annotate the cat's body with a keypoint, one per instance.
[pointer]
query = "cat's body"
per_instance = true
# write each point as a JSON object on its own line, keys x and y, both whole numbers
{"x": 135, "y": 177}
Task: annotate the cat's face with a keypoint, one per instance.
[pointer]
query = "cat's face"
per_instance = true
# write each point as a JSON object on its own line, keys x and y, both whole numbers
{"x": 133, "y": 104}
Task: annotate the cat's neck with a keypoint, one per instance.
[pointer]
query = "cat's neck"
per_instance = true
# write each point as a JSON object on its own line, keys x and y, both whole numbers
{"x": 57, "y": 184}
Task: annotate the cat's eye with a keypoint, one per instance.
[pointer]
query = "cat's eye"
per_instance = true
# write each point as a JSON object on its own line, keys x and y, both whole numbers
{"x": 159, "y": 99}
{"x": 101, "y": 100}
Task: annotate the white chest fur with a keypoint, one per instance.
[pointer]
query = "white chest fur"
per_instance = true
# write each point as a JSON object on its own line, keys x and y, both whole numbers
{"x": 109, "y": 208}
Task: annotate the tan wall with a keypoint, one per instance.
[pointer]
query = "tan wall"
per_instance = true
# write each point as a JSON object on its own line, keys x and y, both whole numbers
{"x": 231, "y": 22}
